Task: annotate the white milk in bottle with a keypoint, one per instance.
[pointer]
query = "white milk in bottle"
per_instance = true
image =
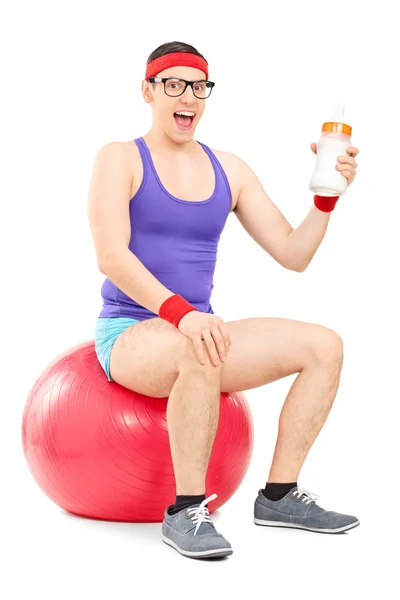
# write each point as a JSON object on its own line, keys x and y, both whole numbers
{"x": 326, "y": 180}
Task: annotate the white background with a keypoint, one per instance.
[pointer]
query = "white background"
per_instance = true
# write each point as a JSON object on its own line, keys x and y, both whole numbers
{"x": 71, "y": 78}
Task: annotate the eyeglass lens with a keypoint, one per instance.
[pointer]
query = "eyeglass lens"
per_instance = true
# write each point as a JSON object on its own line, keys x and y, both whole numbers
{"x": 175, "y": 87}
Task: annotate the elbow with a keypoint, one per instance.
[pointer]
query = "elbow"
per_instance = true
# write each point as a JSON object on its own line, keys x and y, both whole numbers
{"x": 297, "y": 263}
{"x": 102, "y": 267}
{"x": 105, "y": 262}
{"x": 294, "y": 263}
{"x": 298, "y": 268}
{"x": 301, "y": 268}
{"x": 102, "y": 264}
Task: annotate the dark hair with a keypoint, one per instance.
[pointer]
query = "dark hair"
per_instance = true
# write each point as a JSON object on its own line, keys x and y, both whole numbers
{"x": 172, "y": 47}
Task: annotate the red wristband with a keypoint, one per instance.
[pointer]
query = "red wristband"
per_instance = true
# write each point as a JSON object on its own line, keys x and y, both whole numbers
{"x": 174, "y": 308}
{"x": 325, "y": 203}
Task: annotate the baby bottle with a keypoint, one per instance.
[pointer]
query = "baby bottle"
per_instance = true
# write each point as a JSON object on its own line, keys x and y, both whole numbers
{"x": 326, "y": 180}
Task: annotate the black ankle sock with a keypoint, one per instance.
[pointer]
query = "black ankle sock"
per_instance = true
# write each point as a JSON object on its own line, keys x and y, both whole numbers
{"x": 276, "y": 491}
{"x": 182, "y": 502}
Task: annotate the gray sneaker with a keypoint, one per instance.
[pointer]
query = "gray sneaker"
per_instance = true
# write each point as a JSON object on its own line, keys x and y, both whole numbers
{"x": 298, "y": 509}
{"x": 192, "y": 533}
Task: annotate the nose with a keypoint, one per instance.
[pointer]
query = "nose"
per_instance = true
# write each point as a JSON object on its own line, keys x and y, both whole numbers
{"x": 188, "y": 95}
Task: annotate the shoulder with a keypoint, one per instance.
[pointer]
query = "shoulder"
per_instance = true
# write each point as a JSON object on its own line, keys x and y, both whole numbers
{"x": 236, "y": 170}
{"x": 118, "y": 157}
{"x": 112, "y": 157}
{"x": 112, "y": 148}
{"x": 235, "y": 165}
{"x": 227, "y": 157}
{"x": 114, "y": 153}
{"x": 126, "y": 154}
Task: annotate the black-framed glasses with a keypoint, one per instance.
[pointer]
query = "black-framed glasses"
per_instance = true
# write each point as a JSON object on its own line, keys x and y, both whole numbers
{"x": 174, "y": 86}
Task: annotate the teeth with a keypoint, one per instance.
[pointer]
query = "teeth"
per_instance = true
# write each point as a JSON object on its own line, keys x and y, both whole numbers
{"x": 185, "y": 113}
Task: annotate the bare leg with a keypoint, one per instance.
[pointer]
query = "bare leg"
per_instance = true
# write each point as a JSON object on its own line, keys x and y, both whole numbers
{"x": 155, "y": 359}
{"x": 267, "y": 349}
{"x": 303, "y": 414}
{"x": 192, "y": 417}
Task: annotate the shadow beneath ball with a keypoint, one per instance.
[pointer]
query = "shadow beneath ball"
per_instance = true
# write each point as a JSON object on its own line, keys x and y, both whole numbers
{"x": 142, "y": 531}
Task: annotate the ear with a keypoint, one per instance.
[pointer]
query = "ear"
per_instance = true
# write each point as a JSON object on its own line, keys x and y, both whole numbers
{"x": 147, "y": 92}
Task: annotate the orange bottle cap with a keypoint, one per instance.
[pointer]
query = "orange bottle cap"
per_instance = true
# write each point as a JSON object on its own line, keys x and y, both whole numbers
{"x": 337, "y": 127}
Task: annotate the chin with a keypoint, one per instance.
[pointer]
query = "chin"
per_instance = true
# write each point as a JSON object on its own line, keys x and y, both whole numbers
{"x": 182, "y": 137}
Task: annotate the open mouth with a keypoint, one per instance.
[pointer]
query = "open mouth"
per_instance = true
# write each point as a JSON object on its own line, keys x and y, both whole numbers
{"x": 183, "y": 122}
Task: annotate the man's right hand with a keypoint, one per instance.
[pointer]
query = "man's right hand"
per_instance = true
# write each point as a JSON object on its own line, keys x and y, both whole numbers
{"x": 210, "y": 328}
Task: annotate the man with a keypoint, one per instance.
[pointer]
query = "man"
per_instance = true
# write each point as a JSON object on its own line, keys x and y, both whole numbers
{"x": 157, "y": 207}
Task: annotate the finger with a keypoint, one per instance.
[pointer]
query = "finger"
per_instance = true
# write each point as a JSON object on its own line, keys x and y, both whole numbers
{"x": 225, "y": 335}
{"x": 347, "y": 160}
{"x": 343, "y": 168}
{"x": 219, "y": 342}
{"x": 349, "y": 175}
{"x": 314, "y": 147}
{"x": 210, "y": 347}
{"x": 352, "y": 150}
{"x": 198, "y": 346}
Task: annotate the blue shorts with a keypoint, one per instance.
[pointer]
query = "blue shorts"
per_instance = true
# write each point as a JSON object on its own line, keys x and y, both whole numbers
{"x": 107, "y": 331}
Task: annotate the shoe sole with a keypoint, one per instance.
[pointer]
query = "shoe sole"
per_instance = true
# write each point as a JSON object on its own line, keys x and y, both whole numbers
{"x": 203, "y": 554}
{"x": 297, "y": 526}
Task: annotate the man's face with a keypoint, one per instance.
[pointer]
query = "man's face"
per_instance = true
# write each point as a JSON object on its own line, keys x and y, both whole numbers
{"x": 164, "y": 107}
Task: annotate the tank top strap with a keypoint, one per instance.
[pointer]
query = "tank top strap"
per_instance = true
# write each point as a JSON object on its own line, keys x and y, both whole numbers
{"x": 219, "y": 171}
{"x": 143, "y": 153}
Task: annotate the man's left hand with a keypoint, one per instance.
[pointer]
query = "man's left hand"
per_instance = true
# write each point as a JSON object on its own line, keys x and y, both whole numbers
{"x": 346, "y": 164}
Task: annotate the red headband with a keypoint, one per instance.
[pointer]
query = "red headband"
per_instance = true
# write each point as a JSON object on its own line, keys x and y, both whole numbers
{"x": 175, "y": 59}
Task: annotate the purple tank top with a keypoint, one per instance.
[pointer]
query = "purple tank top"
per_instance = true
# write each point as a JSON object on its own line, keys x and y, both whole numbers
{"x": 176, "y": 240}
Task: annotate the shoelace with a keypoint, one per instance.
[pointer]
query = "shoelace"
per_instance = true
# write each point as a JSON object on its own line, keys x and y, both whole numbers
{"x": 308, "y": 496}
{"x": 200, "y": 514}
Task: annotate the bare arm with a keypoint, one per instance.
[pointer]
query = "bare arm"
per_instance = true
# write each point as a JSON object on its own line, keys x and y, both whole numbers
{"x": 265, "y": 223}
{"x": 108, "y": 213}
{"x": 305, "y": 240}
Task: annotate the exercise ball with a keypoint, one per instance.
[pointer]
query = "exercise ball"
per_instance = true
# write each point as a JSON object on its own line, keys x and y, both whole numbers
{"x": 102, "y": 451}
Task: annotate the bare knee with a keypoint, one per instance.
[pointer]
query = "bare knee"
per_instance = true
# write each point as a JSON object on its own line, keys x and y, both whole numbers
{"x": 327, "y": 348}
{"x": 190, "y": 361}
